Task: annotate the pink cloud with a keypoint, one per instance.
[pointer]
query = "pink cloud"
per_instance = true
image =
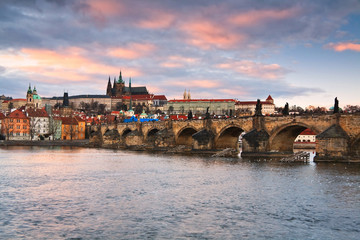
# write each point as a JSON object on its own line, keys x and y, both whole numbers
{"x": 255, "y": 17}
{"x": 199, "y": 83}
{"x": 178, "y": 61}
{"x": 101, "y": 10}
{"x": 234, "y": 91}
{"x": 256, "y": 70}
{"x": 343, "y": 46}
{"x": 156, "y": 19}
{"x": 70, "y": 64}
{"x": 132, "y": 51}
{"x": 206, "y": 34}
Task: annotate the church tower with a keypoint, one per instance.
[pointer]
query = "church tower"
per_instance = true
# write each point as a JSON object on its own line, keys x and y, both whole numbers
{"x": 29, "y": 98}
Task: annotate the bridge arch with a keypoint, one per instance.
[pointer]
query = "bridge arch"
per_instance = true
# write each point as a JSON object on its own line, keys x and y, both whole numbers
{"x": 282, "y": 138}
{"x": 151, "y": 133}
{"x": 125, "y": 132}
{"x": 355, "y": 146}
{"x": 228, "y": 137}
{"x": 184, "y": 136}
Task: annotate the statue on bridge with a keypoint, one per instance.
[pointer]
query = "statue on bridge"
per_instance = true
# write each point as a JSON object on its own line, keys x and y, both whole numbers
{"x": 258, "y": 108}
{"x": 336, "y": 106}
{"x": 285, "y": 111}
{"x": 190, "y": 115}
{"x": 207, "y": 114}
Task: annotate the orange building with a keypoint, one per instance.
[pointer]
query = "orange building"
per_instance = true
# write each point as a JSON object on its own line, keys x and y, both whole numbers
{"x": 16, "y": 126}
{"x": 72, "y": 128}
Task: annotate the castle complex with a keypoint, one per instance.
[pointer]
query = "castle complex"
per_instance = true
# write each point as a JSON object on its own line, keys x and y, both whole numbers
{"x": 118, "y": 89}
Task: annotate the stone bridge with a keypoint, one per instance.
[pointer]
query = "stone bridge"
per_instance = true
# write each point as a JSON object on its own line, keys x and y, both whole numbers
{"x": 338, "y": 135}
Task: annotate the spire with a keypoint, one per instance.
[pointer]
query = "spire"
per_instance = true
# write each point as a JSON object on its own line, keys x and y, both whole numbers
{"x": 114, "y": 82}
{"x": 108, "y": 89}
{"x": 29, "y": 90}
{"x": 34, "y": 91}
{"x": 130, "y": 108}
{"x": 189, "y": 96}
{"x": 184, "y": 95}
{"x": 120, "y": 78}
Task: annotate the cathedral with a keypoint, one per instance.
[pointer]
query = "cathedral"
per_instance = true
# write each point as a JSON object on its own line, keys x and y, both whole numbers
{"x": 118, "y": 89}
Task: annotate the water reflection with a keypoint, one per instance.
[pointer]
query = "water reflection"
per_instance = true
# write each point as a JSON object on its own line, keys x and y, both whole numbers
{"x": 63, "y": 193}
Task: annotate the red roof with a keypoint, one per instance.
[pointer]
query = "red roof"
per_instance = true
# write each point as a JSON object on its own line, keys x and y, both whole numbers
{"x": 2, "y": 116}
{"x": 18, "y": 99}
{"x": 37, "y": 113}
{"x": 250, "y": 103}
{"x": 160, "y": 97}
{"x": 17, "y": 114}
{"x": 269, "y": 98}
{"x": 307, "y": 132}
{"x": 69, "y": 121}
{"x": 202, "y": 100}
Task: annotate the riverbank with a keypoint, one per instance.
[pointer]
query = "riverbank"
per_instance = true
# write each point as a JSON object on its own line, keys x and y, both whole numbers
{"x": 73, "y": 143}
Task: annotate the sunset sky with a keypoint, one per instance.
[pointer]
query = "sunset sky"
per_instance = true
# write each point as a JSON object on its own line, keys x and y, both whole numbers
{"x": 302, "y": 52}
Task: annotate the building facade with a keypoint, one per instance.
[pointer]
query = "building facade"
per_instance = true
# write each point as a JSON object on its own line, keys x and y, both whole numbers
{"x": 16, "y": 126}
{"x": 201, "y": 106}
{"x": 39, "y": 124}
{"x": 248, "y": 107}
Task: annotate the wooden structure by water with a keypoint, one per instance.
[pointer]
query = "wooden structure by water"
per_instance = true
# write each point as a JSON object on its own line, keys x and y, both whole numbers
{"x": 297, "y": 157}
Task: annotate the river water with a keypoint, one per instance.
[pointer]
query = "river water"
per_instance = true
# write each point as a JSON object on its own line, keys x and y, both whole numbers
{"x": 77, "y": 193}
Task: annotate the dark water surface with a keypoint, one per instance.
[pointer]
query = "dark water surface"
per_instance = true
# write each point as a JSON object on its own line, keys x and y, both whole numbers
{"x": 74, "y": 193}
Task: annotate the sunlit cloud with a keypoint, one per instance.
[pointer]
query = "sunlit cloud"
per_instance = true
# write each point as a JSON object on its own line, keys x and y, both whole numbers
{"x": 255, "y": 17}
{"x": 100, "y": 11}
{"x": 205, "y": 34}
{"x": 179, "y": 61}
{"x": 235, "y": 91}
{"x": 132, "y": 51}
{"x": 156, "y": 19}
{"x": 198, "y": 83}
{"x": 70, "y": 64}
{"x": 343, "y": 46}
{"x": 256, "y": 69}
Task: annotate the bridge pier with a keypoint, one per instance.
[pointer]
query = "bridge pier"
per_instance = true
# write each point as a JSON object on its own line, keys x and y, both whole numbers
{"x": 203, "y": 140}
{"x": 333, "y": 143}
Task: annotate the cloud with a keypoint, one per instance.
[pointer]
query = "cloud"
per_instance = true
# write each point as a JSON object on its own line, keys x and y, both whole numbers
{"x": 69, "y": 64}
{"x": 101, "y": 11}
{"x": 343, "y": 46}
{"x": 256, "y": 69}
{"x": 179, "y": 62}
{"x": 156, "y": 19}
{"x": 206, "y": 34}
{"x": 264, "y": 16}
{"x": 197, "y": 83}
{"x": 132, "y": 51}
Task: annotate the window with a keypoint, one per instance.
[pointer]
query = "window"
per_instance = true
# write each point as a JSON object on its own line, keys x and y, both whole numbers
{"x": 24, "y": 120}
{"x": 18, "y": 120}
{"x": 17, "y": 134}
{"x": 17, "y": 127}
{"x": 11, "y": 120}
{"x": 24, "y": 127}
{"x": 11, "y": 126}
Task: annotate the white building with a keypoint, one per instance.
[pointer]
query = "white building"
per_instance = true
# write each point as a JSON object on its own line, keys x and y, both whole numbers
{"x": 39, "y": 124}
{"x": 306, "y": 136}
{"x": 268, "y": 106}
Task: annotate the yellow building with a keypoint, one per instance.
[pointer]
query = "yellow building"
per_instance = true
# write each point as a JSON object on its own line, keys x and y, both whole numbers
{"x": 72, "y": 128}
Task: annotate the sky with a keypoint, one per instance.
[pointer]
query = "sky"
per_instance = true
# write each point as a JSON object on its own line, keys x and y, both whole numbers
{"x": 301, "y": 52}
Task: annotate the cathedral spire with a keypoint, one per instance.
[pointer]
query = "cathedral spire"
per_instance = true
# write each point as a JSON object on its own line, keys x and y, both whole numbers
{"x": 108, "y": 89}
{"x": 120, "y": 78}
{"x": 184, "y": 95}
{"x": 189, "y": 96}
{"x": 130, "y": 108}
